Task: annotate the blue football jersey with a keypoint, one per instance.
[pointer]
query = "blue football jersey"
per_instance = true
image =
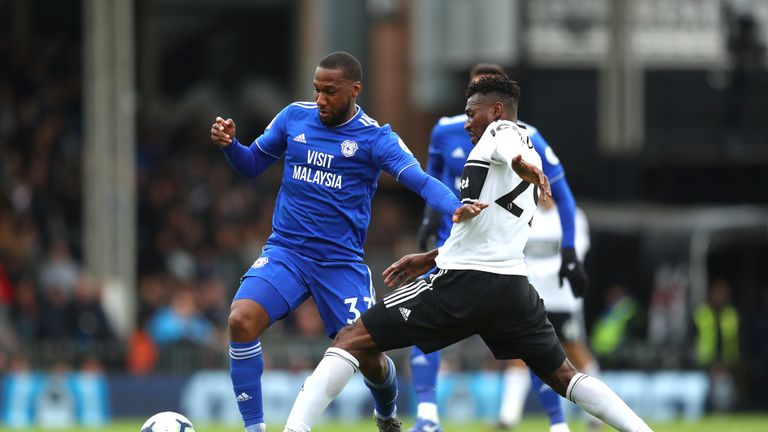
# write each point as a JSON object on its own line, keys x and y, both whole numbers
{"x": 330, "y": 175}
{"x": 448, "y": 150}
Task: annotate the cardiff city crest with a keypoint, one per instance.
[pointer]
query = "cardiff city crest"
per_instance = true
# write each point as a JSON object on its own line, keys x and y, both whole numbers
{"x": 348, "y": 148}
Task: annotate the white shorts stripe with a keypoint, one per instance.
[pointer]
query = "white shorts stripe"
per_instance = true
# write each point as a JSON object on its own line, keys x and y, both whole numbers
{"x": 410, "y": 296}
{"x": 434, "y": 276}
{"x": 416, "y": 287}
{"x": 404, "y": 291}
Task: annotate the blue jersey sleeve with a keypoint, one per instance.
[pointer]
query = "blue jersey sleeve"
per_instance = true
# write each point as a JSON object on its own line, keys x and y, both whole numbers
{"x": 273, "y": 141}
{"x": 247, "y": 161}
{"x": 561, "y": 192}
{"x": 549, "y": 161}
{"x": 566, "y": 209}
{"x": 435, "y": 193}
{"x": 391, "y": 153}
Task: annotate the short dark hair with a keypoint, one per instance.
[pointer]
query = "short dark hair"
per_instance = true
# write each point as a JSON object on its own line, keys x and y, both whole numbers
{"x": 501, "y": 87}
{"x": 344, "y": 61}
{"x": 486, "y": 69}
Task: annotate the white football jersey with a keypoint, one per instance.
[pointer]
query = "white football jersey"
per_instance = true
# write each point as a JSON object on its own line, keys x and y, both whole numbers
{"x": 494, "y": 240}
{"x": 542, "y": 254}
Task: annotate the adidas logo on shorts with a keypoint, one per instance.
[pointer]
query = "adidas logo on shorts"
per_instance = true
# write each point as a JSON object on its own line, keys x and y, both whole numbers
{"x": 405, "y": 313}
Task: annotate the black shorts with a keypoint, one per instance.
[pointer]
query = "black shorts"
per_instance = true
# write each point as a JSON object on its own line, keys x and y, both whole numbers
{"x": 452, "y": 305}
{"x": 568, "y": 326}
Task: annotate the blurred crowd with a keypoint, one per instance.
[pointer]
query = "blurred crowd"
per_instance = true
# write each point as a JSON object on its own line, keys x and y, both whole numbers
{"x": 44, "y": 295}
{"x": 199, "y": 225}
{"x": 199, "y": 228}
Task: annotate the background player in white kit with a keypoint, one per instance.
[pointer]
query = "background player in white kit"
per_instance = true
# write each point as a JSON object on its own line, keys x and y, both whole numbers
{"x": 480, "y": 286}
{"x": 564, "y": 310}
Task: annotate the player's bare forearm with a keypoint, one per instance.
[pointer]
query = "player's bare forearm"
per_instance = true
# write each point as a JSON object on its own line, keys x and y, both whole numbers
{"x": 409, "y": 267}
{"x": 468, "y": 211}
{"x": 532, "y": 174}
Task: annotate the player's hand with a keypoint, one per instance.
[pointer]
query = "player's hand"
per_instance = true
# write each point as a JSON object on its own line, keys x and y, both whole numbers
{"x": 532, "y": 174}
{"x": 223, "y": 132}
{"x": 468, "y": 211}
{"x": 430, "y": 223}
{"x": 573, "y": 270}
{"x": 408, "y": 268}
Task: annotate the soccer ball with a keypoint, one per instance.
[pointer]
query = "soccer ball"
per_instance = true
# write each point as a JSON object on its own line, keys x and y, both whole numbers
{"x": 167, "y": 421}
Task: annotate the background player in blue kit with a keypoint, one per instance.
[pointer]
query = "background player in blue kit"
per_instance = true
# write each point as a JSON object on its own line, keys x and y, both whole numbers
{"x": 448, "y": 150}
{"x": 334, "y": 154}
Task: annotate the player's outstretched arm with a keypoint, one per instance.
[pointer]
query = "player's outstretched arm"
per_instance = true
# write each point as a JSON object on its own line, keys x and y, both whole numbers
{"x": 571, "y": 267}
{"x": 246, "y": 161}
{"x": 408, "y": 268}
{"x": 223, "y": 132}
{"x": 532, "y": 174}
{"x": 435, "y": 193}
{"x": 468, "y": 211}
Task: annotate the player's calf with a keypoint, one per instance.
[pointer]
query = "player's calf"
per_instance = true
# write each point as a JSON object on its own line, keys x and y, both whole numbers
{"x": 595, "y": 397}
{"x": 378, "y": 369}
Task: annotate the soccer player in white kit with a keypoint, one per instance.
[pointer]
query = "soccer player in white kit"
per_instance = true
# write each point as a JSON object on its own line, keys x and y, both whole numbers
{"x": 480, "y": 286}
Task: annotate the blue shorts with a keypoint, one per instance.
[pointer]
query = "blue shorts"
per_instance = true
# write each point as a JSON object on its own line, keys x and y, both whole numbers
{"x": 280, "y": 280}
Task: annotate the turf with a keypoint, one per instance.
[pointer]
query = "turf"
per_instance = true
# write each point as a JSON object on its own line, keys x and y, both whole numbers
{"x": 742, "y": 423}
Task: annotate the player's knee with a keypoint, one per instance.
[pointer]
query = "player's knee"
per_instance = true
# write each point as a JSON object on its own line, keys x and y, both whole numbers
{"x": 246, "y": 323}
{"x": 355, "y": 340}
{"x": 343, "y": 339}
{"x": 559, "y": 378}
{"x": 238, "y": 323}
{"x": 563, "y": 376}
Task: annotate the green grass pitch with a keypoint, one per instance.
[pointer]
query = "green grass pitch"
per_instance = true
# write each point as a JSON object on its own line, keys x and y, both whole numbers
{"x": 741, "y": 423}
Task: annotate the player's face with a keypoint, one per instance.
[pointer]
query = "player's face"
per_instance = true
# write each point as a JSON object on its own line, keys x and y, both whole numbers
{"x": 335, "y": 96}
{"x": 480, "y": 113}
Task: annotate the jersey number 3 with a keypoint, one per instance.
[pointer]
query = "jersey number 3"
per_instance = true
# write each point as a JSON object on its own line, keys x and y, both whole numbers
{"x": 352, "y": 302}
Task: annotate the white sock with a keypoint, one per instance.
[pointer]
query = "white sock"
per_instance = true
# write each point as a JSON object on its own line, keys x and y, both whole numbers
{"x": 593, "y": 369}
{"x": 517, "y": 383}
{"x": 427, "y": 411}
{"x": 326, "y": 382}
{"x": 259, "y": 427}
{"x": 559, "y": 427}
{"x": 600, "y": 401}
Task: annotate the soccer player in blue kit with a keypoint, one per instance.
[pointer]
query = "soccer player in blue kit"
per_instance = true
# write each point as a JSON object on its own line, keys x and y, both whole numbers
{"x": 448, "y": 150}
{"x": 334, "y": 154}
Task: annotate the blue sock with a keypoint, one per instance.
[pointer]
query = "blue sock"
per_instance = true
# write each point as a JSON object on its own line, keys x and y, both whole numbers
{"x": 385, "y": 394}
{"x": 246, "y": 365}
{"x": 550, "y": 400}
{"x": 424, "y": 368}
